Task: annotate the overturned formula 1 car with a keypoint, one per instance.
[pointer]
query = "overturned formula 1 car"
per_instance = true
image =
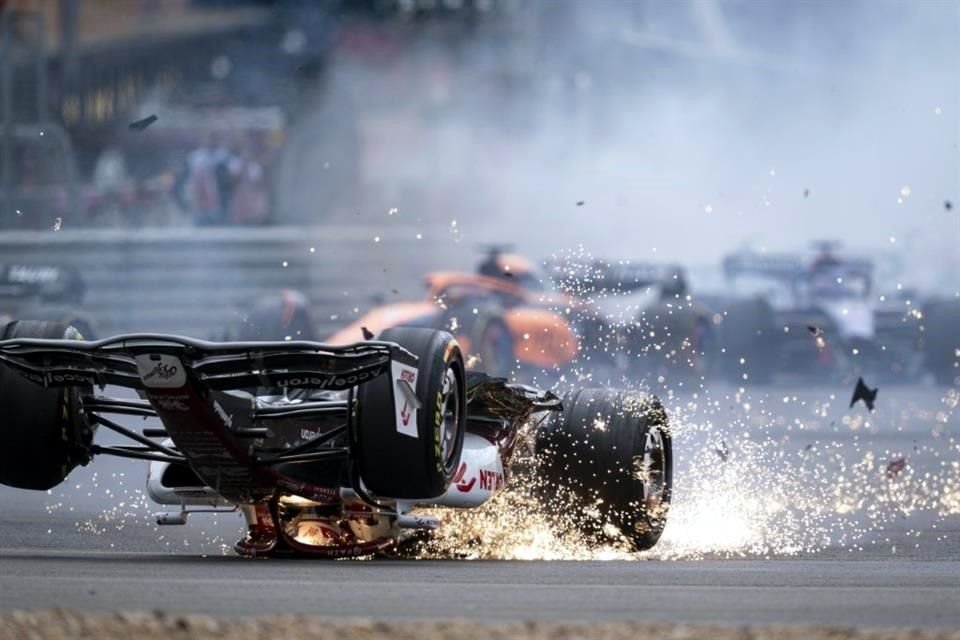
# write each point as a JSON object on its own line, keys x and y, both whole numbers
{"x": 329, "y": 451}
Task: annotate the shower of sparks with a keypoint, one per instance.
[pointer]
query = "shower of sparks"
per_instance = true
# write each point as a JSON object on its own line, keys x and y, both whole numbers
{"x": 758, "y": 471}
{"x": 773, "y": 496}
{"x": 784, "y": 485}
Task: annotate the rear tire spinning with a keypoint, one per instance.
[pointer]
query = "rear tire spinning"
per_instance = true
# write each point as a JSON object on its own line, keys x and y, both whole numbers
{"x": 611, "y": 453}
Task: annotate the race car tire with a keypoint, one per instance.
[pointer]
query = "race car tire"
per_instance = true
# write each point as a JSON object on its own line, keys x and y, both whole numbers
{"x": 609, "y": 454}
{"x": 941, "y": 340}
{"x": 397, "y": 465}
{"x": 44, "y": 435}
{"x": 748, "y": 342}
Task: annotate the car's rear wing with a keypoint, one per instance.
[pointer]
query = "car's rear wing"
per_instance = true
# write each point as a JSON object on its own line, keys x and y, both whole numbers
{"x": 140, "y": 361}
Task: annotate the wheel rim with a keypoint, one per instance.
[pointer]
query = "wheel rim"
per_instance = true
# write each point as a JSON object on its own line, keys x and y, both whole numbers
{"x": 451, "y": 418}
{"x": 654, "y": 473}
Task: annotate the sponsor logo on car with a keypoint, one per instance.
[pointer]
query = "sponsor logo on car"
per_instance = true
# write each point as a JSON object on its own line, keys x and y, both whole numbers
{"x": 489, "y": 480}
{"x": 58, "y": 378}
{"x": 404, "y": 386}
{"x": 438, "y": 433}
{"x": 161, "y": 371}
{"x": 47, "y": 379}
{"x": 463, "y": 487}
{"x": 34, "y": 377}
{"x": 334, "y": 381}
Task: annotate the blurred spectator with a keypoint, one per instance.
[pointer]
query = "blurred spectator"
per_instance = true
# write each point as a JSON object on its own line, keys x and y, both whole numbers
{"x": 248, "y": 194}
{"x": 203, "y": 185}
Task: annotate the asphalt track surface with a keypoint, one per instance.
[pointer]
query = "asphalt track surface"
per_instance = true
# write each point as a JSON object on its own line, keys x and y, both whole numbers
{"x": 77, "y": 548}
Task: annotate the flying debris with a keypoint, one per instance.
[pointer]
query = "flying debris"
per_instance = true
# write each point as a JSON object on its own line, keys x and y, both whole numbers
{"x": 140, "y": 125}
{"x": 723, "y": 451}
{"x": 817, "y": 334}
{"x": 947, "y": 205}
{"x": 895, "y": 466}
{"x": 806, "y": 193}
{"x": 865, "y": 393}
{"x": 579, "y": 203}
{"x": 367, "y": 334}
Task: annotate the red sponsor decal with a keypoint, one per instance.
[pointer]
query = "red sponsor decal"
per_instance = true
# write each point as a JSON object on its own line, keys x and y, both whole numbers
{"x": 408, "y": 376}
{"x": 490, "y": 480}
{"x": 405, "y": 414}
{"x": 463, "y": 487}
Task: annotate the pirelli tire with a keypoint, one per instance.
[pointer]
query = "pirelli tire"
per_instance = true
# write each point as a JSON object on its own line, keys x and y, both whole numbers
{"x": 941, "y": 340}
{"x": 43, "y": 432}
{"x": 397, "y": 465}
{"x": 607, "y": 460}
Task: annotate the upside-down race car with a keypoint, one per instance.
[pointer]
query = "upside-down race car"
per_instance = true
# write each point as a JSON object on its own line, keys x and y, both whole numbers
{"x": 328, "y": 451}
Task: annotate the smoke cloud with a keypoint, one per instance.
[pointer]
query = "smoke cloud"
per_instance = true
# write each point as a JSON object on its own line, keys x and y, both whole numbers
{"x": 659, "y": 131}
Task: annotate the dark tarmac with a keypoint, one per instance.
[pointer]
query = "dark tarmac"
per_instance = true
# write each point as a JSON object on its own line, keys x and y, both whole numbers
{"x": 859, "y": 548}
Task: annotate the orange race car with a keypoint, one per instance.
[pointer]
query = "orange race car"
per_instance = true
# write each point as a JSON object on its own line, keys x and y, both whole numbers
{"x": 505, "y": 317}
{"x": 586, "y": 316}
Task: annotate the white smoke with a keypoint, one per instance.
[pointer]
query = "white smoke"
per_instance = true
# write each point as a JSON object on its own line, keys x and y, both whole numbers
{"x": 651, "y": 130}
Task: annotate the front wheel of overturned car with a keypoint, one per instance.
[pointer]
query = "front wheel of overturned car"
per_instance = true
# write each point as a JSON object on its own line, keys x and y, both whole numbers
{"x": 44, "y": 434}
{"x": 410, "y": 423}
{"x": 610, "y": 455}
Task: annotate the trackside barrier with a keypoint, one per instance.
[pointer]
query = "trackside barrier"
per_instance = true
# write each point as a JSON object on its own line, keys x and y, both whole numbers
{"x": 191, "y": 281}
